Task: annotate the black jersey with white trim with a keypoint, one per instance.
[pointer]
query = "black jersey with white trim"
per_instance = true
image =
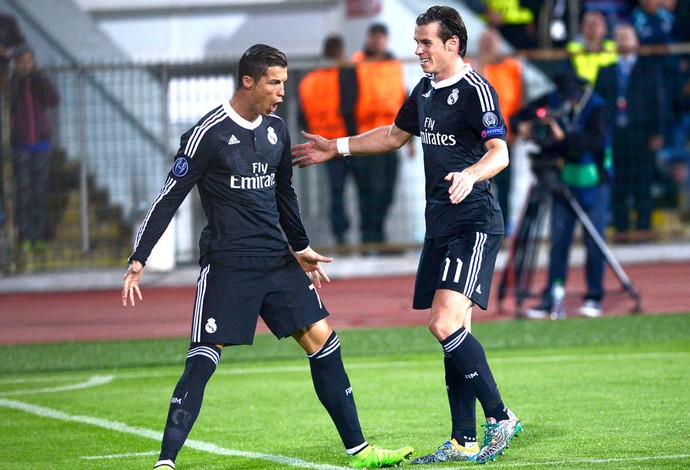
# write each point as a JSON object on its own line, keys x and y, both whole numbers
{"x": 243, "y": 171}
{"x": 454, "y": 118}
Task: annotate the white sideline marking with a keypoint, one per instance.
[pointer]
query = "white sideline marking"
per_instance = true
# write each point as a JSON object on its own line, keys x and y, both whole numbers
{"x": 91, "y": 382}
{"x": 119, "y": 456}
{"x": 26, "y": 380}
{"x": 156, "y": 435}
{"x": 595, "y": 461}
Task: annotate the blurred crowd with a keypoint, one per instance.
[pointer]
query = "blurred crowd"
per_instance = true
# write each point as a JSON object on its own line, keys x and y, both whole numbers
{"x": 611, "y": 138}
{"x": 623, "y": 51}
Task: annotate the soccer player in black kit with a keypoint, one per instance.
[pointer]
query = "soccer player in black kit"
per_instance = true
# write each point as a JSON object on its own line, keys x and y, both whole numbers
{"x": 455, "y": 113}
{"x": 238, "y": 156}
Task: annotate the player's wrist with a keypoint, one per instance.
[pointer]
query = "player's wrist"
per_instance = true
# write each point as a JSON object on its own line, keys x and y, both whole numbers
{"x": 342, "y": 145}
{"x": 303, "y": 251}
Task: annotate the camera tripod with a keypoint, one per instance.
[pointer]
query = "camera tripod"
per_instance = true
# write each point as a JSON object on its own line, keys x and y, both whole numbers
{"x": 519, "y": 271}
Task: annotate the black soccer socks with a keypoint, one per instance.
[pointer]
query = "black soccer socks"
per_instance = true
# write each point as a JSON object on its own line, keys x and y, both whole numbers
{"x": 185, "y": 404}
{"x": 468, "y": 355}
{"x": 335, "y": 393}
{"x": 463, "y": 404}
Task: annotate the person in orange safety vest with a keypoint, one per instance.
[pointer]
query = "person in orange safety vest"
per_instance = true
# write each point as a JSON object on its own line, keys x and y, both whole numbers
{"x": 381, "y": 92}
{"x": 327, "y": 105}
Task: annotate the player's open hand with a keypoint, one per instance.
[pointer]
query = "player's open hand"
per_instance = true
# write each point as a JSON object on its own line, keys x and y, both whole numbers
{"x": 130, "y": 285}
{"x": 317, "y": 150}
{"x": 311, "y": 263}
{"x": 461, "y": 184}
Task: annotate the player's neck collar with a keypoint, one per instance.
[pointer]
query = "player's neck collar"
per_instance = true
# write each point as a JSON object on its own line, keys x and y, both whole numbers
{"x": 464, "y": 70}
{"x": 239, "y": 120}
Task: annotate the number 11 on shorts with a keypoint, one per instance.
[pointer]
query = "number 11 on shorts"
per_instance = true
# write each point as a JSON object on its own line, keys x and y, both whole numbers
{"x": 458, "y": 268}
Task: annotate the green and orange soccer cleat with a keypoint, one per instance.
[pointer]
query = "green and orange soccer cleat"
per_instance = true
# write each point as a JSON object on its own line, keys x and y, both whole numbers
{"x": 373, "y": 457}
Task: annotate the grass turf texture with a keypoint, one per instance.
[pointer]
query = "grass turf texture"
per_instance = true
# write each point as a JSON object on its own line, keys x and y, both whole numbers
{"x": 611, "y": 393}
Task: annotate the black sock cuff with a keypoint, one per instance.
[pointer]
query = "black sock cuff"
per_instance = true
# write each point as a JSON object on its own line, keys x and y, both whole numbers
{"x": 454, "y": 340}
{"x": 332, "y": 345}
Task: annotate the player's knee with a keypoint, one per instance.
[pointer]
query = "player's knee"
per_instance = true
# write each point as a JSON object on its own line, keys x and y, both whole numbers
{"x": 441, "y": 328}
{"x": 313, "y": 337}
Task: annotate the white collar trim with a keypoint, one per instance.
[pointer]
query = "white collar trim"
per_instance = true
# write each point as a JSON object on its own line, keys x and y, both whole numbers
{"x": 466, "y": 68}
{"x": 239, "y": 120}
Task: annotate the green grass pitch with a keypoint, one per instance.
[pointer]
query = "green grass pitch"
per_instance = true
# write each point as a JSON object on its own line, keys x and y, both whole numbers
{"x": 610, "y": 393}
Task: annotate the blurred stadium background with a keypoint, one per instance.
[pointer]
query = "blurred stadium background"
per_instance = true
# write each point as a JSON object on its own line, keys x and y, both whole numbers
{"x": 134, "y": 75}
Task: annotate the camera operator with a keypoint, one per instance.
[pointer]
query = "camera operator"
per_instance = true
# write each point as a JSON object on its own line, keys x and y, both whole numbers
{"x": 568, "y": 125}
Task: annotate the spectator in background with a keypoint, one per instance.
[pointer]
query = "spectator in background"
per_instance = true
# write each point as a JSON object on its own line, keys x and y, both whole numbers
{"x": 634, "y": 92}
{"x": 557, "y": 21}
{"x": 381, "y": 90}
{"x": 32, "y": 94}
{"x": 653, "y": 23}
{"x": 674, "y": 158}
{"x": 576, "y": 119}
{"x": 327, "y": 104}
{"x": 656, "y": 25}
{"x": 591, "y": 50}
{"x": 615, "y": 11}
{"x": 514, "y": 19}
{"x": 681, "y": 12}
{"x": 10, "y": 36}
{"x": 505, "y": 74}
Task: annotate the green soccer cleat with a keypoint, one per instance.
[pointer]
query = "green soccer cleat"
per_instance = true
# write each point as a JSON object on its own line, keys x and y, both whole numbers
{"x": 373, "y": 457}
{"x": 449, "y": 451}
{"x": 497, "y": 436}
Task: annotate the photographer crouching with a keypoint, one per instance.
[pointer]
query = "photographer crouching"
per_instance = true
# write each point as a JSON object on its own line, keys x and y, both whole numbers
{"x": 568, "y": 125}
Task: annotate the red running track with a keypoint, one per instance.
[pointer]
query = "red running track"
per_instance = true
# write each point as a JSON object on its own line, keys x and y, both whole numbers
{"x": 353, "y": 303}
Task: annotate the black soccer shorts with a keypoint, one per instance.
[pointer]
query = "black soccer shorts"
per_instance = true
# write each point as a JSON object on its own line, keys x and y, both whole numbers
{"x": 232, "y": 291}
{"x": 463, "y": 263}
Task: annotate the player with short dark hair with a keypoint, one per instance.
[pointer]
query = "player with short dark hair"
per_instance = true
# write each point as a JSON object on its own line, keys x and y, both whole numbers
{"x": 238, "y": 156}
{"x": 455, "y": 113}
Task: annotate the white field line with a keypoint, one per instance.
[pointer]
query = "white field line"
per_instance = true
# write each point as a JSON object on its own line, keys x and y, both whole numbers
{"x": 42, "y": 379}
{"x": 380, "y": 365}
{"x": 44, "y": 412}
{"x": 596, "y": 461}
{"x": 91, "y": 382}
{"x": 214, "y": 449}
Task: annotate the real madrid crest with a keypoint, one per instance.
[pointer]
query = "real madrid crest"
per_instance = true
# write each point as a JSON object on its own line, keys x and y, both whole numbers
{"x": 453, "y": 97}
{"x": 272, "y": 137}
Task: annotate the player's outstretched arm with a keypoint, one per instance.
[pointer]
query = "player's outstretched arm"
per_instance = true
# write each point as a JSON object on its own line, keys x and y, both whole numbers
{"x": 317, "y": 150}
{"x": 130, "y": 285}
{"x": 311, "y": 263}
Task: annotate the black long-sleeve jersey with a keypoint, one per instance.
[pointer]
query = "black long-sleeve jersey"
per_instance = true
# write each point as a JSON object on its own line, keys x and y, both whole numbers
{"x": 454, "y": 118}
{"x": 243, "y": 171}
